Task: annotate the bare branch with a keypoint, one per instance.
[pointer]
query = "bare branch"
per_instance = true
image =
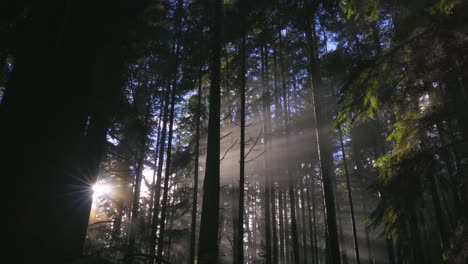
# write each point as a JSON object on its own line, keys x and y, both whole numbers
{"x": 259, "y": 155}
{"x": 100, "y": 222}
{"x": 221, "y": 138}
{"x": 250, "y": 139}
{"x": 255, "y": 144}
{"x": 112, "y": 135}
{"x": 228, "y": 150}
{"x": 235, "y": 123}
{"x": 122, "y": 157}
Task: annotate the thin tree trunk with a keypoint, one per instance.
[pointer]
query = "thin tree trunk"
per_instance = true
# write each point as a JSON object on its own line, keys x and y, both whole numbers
{"x": 292, "y": 202}
{"x": 273, "y": 221}
{"x": 350, "y": 199}
{"x": 139, "y": 174}
{"x": 171, "y": 224}
{"x": 220, "y": 234}
{"x": 267, "y": 149}
{"x": 339, "y": 214}
{"x": 281, "y": 225}
{"x": 155, "y": 166}
{"x": 240, "y": 248}
{"x": 439, "y": 213}
{"x": 324, "y": 147}
{"x": 235, "y": 223}
{"x": 175, "y": 49}
{"x": 417, "y": 250}
{"x": 157, "y": 187}
{"x": 312, "y": 222}
{"x": 168, "y": 170}
{"x": 304, "y": 229}
{"x": 286, "y": 227}
{"x": 197, "y": 158}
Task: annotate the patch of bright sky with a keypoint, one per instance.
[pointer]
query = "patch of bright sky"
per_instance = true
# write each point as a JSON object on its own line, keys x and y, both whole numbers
{"x": 112, "y": 140}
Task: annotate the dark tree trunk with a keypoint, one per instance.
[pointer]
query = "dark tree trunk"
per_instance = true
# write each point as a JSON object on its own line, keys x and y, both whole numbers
{"x": 197, "y": 158}
{"x": 139, "y": 171}
{"x": 283, "y": 69}
{"x": 350, "y": 200}
{"x": 164, "y": 203}
{"x": 155, "y": 168}
{"x": 267, "y": 149}
{"x": 281, "y": 225}
{"x": 240, "y": 246}
{"x": 304, "y": 228}
{"x": 53, "y": 202}
{"x": 208, "y": 244}
{"x": 416, "y": 245}
{"x": 157, "y": 195}
{"x": 324, "y": 155}
{"x": 171, "y": 225}
{"x": 162, "y": 221}
{"x": 312, "y": 221}
{"x": 286, "y": 228}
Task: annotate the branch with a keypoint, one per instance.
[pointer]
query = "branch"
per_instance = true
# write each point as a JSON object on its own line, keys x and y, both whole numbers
{"x": 100, "y": 222}
{"x": 228, "y": 150}
{"x": 255, "y": 144}
{"x": 248, "y": 140}
{"x": 235, "y": 123}
{"x": 112, "y": 135}
{"x": 221, "y": 138}
{"x": 121, "y": 157}
{"x": 255, "y": 157}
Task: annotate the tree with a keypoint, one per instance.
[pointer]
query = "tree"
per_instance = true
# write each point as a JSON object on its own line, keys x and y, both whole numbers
{"x": 208, "y": 241}
{"x": 68, "y": 132}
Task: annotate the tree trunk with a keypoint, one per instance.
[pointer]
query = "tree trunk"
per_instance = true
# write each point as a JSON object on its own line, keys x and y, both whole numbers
{"x": 350, "y": 200}
{"x": 292, "y": 202}
{"x": 155, "y": 168}
{"x": 157, "y": 196}
{"x": 286, "y": 228}
{"x": 197, "y": 158}
{"x": 266, "y": 158}
{"x": 139, "y": 170}
{"x": 240, "y": 246}
{"x": 208, "y": 243}
{"x": 312, "y": 221}
{"x": 281, "y": 225}
{"x": 168, "y": 171}
{"x": 65, "y": 151}
{"x": 325, "y": 157}
{"x": 304, "y": 228}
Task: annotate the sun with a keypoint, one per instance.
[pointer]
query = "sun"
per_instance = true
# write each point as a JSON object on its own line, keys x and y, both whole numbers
{"x": 100, "y": 189}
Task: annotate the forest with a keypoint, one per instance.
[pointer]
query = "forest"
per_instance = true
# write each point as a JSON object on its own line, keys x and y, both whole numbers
{"x": 234, "y": 131}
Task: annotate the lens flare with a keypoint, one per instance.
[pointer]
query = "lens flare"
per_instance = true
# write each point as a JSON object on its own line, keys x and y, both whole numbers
{"x": 100, "y": 189}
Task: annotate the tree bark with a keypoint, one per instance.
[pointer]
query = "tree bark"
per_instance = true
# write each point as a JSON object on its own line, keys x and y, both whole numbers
{"x": 197, "y": 158}
{"x": 350, "y": 200}
{"x": 168, "y": 171}
{"x": 324, "y": 155}
{"x": 208, "y": 243}
{"x": 240, "y": 246}
{"x": 157, "y": 196}
{"x": 267, "y": 149}
{"x": 52, "y": 206}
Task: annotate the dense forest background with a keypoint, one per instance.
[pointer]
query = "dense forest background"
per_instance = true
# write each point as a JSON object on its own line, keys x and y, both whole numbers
{"x": 234, "y": 131}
